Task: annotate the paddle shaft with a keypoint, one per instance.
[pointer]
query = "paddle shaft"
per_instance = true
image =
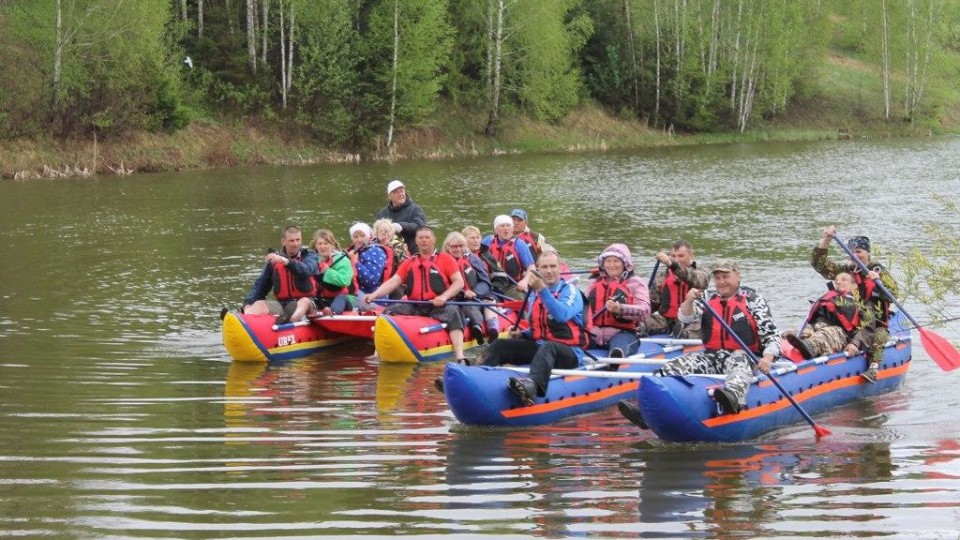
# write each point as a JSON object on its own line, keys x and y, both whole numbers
{"x": 653, "y": 275}
{"x": 756, "y": 361}
{"x": 428, "y": 302}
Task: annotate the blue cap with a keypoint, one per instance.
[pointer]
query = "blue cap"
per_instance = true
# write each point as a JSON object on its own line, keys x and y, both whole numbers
{"x": 519, "y": 213}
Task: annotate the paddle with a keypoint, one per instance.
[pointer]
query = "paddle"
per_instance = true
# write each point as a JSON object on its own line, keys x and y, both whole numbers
{"x": 449, "y": 303}
{"x": 523, "y": 307}
{"x": 653, "y": 275}
{"x": 819, "y": 430}
{"x": 939, "y": 349}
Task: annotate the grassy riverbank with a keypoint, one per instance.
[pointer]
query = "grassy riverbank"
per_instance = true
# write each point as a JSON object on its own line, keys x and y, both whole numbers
{"x": 848, "y": 110}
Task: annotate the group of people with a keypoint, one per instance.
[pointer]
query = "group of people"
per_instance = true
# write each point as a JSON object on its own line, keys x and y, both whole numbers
{"x": 398, "y": 258}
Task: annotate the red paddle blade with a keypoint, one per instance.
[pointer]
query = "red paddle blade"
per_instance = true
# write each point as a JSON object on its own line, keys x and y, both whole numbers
{"x": 820, "y": 431}
{"x": 940, "y": 350}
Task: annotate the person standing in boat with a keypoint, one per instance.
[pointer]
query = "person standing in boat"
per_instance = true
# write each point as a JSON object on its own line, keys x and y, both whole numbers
{"x": 406, "y": 215}
{"x": 678, "y": 275}
{"x": 429, "y": 277}
{"x": 512, "y": 253}
{"x": 874, "y": 299}
{"x": 836, "y": 322}
{"x": 536, "y": 241}
{"x": 476, "y": 288}
{"x": 619, "y": 301}
{"x": 556, "y": 337}
{"x": 289, "y": 274}
{"x": 334, "y": 275}
{"x": 748, "y": 314}
{"x": 372, "y": 263}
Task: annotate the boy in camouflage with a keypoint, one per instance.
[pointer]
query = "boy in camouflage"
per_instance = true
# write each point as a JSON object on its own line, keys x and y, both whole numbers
{"x": 836, "y": 323}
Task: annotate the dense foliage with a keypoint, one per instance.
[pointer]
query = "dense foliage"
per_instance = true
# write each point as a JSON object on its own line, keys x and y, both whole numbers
{"x": 356, "y": 73}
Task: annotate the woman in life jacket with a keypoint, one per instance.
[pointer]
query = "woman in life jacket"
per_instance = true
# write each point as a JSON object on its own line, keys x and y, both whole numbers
{"x": 500, "y": 282}
{"x": 335, "y": 293}
{"x": 619, "y": 300}
{"x": 384, "y": 235}
{"x": 372, "y": 263}
{"x": 476, "y": 288}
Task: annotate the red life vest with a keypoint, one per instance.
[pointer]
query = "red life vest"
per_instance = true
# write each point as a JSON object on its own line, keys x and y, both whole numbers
{"x": 840, "y": 309}
{"x": 425, "y": 280}
{"x": 530, "y": 238}
{"x": 545, "y": 327}
{"x": 289, "y": 286}
{"x": 868, "y": 288}
{"x": 602, "y": 290}
{"x": 508, "y": 257}
{"x": 331, "y": 291}
{"x": 672, "y": 293}
{"x": 736, "y": 314}
{"x": 470, "y": 277}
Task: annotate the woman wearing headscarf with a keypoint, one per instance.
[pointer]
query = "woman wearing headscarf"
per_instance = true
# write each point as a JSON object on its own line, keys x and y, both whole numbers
{"x": 619, "y": 301}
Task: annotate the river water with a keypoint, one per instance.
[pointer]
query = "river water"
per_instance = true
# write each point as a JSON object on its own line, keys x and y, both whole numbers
{"x": 123, "y": 417}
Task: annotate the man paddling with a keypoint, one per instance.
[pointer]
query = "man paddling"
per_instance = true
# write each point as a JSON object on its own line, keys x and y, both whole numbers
{"x": 429, "y": 276}
{"x": 874, "y": 299}
{"x": 556, "y": 337}
{"x": 680, "y": 274}
{"x": 748, "y": 314}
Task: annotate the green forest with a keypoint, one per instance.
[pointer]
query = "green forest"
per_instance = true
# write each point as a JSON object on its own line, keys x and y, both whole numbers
{"x": 362, "y": 77}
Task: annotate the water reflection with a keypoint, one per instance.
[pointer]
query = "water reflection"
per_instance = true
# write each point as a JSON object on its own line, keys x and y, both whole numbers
{"x": 132, "y": 423}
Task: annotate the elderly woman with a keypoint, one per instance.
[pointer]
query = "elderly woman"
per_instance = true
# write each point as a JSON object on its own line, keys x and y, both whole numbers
{"x": 372, "y": 263}
{"x": 476, "y": 287}
{"x": 620, "y": 300}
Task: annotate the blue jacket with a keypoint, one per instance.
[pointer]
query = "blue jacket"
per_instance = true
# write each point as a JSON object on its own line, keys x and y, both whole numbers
{"x": 564, "y": 302}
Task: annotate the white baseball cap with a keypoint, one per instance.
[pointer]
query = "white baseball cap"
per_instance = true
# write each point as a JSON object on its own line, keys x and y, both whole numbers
{"x": 394, "y": 184}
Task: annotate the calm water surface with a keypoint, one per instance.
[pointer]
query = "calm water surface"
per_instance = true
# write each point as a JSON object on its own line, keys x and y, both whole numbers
{"x": 123, "y": 417}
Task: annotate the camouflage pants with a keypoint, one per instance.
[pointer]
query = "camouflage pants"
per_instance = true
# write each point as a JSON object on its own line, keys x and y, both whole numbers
{"x": 658, "y": 324}
{"x": 735, "y": 365}
{"x": 880, "y": 337}
{"x": 825, "y": 338}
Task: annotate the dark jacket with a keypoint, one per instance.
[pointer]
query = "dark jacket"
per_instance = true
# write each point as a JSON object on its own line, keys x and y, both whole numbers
{"x": 410, "y": 217}
{"x": 304, "y": 265}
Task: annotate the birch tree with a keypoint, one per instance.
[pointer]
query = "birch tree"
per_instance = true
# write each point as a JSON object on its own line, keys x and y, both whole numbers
{"x": 410, "y": 44}
{"x": 252, "y": 35}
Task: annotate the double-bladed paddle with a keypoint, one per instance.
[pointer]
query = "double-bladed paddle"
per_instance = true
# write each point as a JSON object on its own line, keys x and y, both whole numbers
{"x": 937, "y": 346}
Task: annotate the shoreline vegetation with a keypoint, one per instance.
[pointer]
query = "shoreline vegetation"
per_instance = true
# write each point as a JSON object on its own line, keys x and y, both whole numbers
{"x": 87, "y": 91}
{"x": 212, "y": 145}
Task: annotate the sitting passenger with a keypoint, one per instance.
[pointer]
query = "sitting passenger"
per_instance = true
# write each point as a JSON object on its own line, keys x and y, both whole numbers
{"x": 512, "y": 253}
{"x": 835, "y": 323}
{"x": 334, "y": 277}
{"x": 476, "y": 287}
{"x": 433, "y": 278}
{"x": 556, "y": 338}
{"x": 619, "y": 300}
{"x": 499, "y": 281}
{"x": 678, "y": 275}
{"x": 372, "y": 263}
{"x": 289, "y": 273}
